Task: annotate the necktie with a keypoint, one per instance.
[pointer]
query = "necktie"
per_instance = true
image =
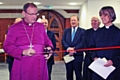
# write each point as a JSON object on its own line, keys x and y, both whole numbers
{"x": 73, "y": 34}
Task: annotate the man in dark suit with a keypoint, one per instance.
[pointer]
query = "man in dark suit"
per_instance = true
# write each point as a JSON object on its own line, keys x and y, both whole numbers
{"x": 95, "y": 22}
{"x": 51, "y": 35}
{"x": 72, "y": 40}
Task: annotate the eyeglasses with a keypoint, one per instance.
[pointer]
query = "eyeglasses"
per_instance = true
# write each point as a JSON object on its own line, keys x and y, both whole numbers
{"x": 33, "y": 13}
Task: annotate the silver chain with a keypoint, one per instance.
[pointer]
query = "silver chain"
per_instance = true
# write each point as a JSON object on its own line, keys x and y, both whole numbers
{"x": 30, "y": 39}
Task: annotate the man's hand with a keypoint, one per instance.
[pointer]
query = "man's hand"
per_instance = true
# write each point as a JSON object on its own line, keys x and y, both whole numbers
{"x": 49, "y": 52}
{"x": 95, "y": 58}
{"x": 28, "y": 52}
{"x": 71, "y": 51}
{"x": 47, "y": 56}
{"x": 109, "y": 63}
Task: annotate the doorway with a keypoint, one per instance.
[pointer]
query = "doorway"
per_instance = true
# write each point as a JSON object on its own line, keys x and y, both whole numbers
{"x": 57, "y": 25}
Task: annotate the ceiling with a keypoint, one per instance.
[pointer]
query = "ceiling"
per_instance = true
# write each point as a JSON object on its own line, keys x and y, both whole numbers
{"x": 45, "y": 4}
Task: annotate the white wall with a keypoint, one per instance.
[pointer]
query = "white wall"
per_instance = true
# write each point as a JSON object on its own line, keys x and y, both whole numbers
{"x": 83, "y": 12}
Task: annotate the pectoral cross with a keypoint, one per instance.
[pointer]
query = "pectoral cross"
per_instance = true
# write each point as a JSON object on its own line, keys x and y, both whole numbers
{"x": 31, "y": 46}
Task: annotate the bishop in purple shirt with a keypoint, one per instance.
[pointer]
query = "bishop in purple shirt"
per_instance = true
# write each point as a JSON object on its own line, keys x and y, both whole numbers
{"x": 25, "y": 42}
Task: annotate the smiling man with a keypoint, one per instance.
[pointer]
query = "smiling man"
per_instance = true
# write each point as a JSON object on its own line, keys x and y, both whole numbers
{"x": 89, "y": 33}
{"x": 71, "y": 41}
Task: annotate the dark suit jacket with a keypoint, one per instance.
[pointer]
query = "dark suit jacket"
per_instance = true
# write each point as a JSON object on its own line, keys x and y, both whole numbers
{"x": 87, "y": 73}
{"x": 51, "y": 35}
{"x": 77, "y": 42}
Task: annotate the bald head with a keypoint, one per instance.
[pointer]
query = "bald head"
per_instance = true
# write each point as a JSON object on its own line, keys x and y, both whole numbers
{"x": 45, "y": 22}
{"x": 17, "y": 20}
{"x": 95, "y": 22}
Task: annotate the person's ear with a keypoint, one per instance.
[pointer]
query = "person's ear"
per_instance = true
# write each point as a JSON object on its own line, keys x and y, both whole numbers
{"x": 23, "y": 13}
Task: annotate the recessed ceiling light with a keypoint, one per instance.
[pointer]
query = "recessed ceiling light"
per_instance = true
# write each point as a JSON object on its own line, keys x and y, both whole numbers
{"x": 36, "y": 3}
{"x": 1, "y": 2}
{"x": 72, "y": 3}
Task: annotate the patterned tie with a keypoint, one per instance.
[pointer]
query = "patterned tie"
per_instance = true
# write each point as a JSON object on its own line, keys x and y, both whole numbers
{"x": 73, "y": 34}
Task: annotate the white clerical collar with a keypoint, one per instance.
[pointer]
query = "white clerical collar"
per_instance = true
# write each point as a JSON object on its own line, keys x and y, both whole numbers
{"x": 26, "y": 23}
{"x": 107, "y": 27}
{"x": 29, "y": 24}
{"x": 94, "y": 29}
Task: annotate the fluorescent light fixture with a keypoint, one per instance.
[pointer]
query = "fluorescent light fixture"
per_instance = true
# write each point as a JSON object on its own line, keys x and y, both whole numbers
{"x": 1, "y": 2}
{"x": 72, "y": 3}
{"x": 48, "y": 6}
{"x": 36, "y": 3}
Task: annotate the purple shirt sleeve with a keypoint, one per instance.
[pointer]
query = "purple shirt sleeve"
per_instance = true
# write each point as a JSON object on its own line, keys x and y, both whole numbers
{"x": 9, "y": 44}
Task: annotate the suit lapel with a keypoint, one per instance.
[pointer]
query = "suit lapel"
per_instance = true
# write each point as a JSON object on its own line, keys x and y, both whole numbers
{"x": 70, "y": 31}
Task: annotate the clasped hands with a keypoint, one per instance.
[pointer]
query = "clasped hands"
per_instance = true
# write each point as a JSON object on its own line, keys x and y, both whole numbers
{"x": 28, "y": 52}
{"x": 71, "y": 51}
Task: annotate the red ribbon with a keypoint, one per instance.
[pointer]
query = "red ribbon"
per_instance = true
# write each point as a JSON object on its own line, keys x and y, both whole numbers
{"x": 93, "y": 49}
{"x": 85, "y": 49}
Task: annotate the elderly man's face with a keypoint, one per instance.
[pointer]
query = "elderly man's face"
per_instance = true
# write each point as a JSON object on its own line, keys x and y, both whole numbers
{"x": 95, "y": 22}
{"x": 45, "y": 22}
